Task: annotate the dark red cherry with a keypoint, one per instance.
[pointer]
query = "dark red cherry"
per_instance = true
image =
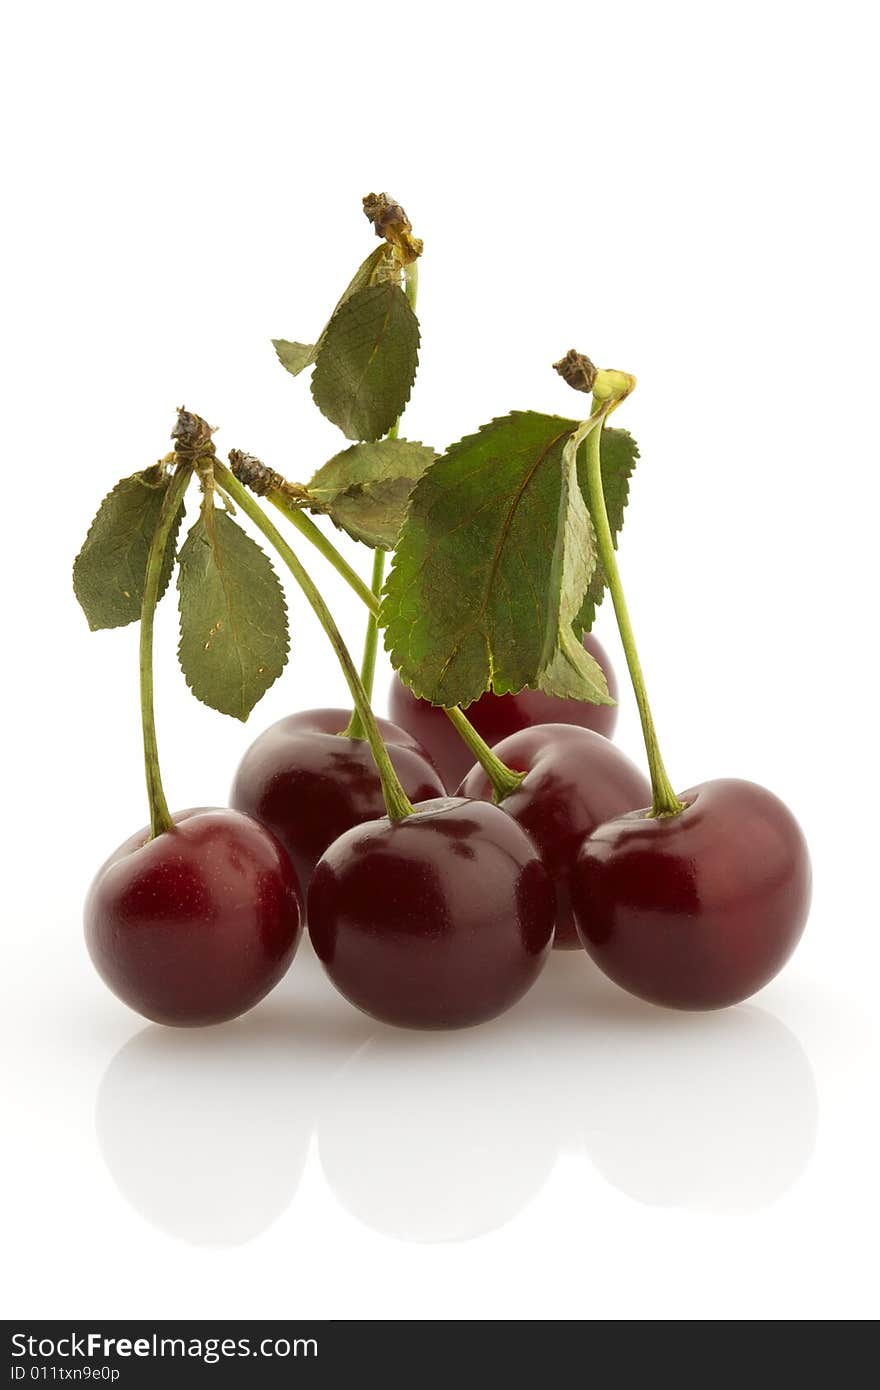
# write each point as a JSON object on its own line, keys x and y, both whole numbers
{"x": 496, "y": 717}
{"x": 309, "y": 784}
{"x": 697, "y": 910}
{"x": 198, "y": 924}
{"x": 439, "y": 920}
{"x": 575, "y": 780}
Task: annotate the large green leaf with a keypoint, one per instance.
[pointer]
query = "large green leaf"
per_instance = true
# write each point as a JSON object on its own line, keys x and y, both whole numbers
{"x": 485, "y": 576}
{"x": 233, "y": 617}
{"x": 619, "y": 455}
{"x": 367, "y": 363}
{"x": 295, "y": 357}
{"x": 109, "y": 571}
{"x": 365, "y": 489}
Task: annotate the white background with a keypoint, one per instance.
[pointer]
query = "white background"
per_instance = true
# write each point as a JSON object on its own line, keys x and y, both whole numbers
{"x": 685, "y": 191}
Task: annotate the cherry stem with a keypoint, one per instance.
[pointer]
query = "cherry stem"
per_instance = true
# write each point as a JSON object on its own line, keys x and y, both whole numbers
{"x": 371, "y": 639}
{"x": 160, "y": 816}
{"x": 316, "y": 537}
{"x": 665, "y": 801}
{"x": 397, "y": 803}
{"x": 503, "y": 779}
{"x": 355, "y": 728}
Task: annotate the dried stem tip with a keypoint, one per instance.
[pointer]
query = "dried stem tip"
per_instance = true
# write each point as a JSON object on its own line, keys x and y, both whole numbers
{"x": 576, "y": 371}
{"x": 392, "y": 223}
{"x": 261, "y": 479}
{"x": 252, "y": 473}
{"x": 191, "y": 435}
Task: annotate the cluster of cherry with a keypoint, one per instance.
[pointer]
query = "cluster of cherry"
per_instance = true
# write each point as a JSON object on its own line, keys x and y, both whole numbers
{"x": 439, "y": 857}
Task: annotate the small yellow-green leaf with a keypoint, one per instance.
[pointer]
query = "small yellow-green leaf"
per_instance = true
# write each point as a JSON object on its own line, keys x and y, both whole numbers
{"x": 295, "y": 357}
{"x": 109, "y": 571}
{"x": 233, "y": 617}
{"x": 367, "y": 362}
{"x": 365, "y": 489}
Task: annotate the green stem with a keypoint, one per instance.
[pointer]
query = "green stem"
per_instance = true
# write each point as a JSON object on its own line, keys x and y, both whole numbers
{"x": 371, "y": 641}
{"x": 397, "y": 803}
{"x": 665, "y": 802}
{"x": 355, "y": 728}
{"x": 160, "y": 816}
{"x": 411, "y": 282}
{"x": 502, "y": 778}
{"x": 371, "y": 638}
{"x": 328, "y": 551}
{"x": 315, "y": 535}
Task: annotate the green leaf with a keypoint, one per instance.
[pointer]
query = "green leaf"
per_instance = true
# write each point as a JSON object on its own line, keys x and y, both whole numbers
{"x": 365, "y": 489}
{"x": 619, "y": 455}
{"x": 367, "y": 362}
{"x": 109, "y": 571}
{"x": 297, "y": 356}
{"x": 570, "y": 672}
{"x": 233, "y": 617}
{"x": 485, "y": 580}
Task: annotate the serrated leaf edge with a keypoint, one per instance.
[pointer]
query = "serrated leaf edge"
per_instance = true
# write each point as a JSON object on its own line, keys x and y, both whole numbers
{"x": 175, "y": 530}
{"x": 356, "y": 443}
{"x": 375, "y": 439}
{"x": 286, "y": 647}
{"x": 579, "y": 626}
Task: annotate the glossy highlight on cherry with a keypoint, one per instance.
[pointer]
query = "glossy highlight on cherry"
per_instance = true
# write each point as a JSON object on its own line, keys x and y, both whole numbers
{"x": 309, "y": 783}
{"x": 197, "y": 924}
{"x": 440, "y": 920}
{"x": 698, "y": 910}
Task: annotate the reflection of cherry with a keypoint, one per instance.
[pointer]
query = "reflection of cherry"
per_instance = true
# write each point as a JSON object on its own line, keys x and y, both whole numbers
{"x": 659, "y": 1126}
{"x": 206, "y": 1133}
{"x": 431, "y": 1139}
{"x": 699, "y": 909}
{"x": 575, "y": 780}
{"x": 438, "y": 920}
{"x": 496, "y": 716}
{"x": 309, "y": 784}
{"x": 197, "y": 924}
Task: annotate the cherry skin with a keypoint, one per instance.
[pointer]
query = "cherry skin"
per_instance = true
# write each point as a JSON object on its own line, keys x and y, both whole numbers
{"x": 575, "y": 780}
{"x": 198, "y": 924}
{"x": 700, "y": 909}
{"x": 496, "y": 716}
{"x": 440, "y": 920}
{"x": 308, "y": 785}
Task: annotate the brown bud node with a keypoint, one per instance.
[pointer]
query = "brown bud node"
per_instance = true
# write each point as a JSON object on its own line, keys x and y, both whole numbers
{"x": 576, "y": 370}
{"x": 252, "y": 473}
{"x": 391, "y": 222}
{"x": 191, "y": 435}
